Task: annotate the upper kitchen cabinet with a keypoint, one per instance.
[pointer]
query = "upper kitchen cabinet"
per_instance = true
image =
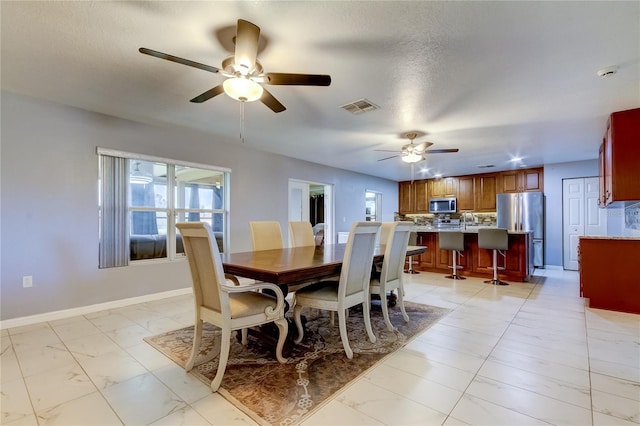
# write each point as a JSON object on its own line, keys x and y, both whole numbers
{"x": 524, "y": 180}
{"x": 412, "y": 197}
{"x": 466, "y": 190}
{"x": 443, "y": 187}
{"x": 619, "y": 158}
{"x": 485, "y": 192}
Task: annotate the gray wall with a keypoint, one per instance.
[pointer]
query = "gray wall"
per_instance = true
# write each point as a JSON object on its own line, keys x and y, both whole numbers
{"x": 48, "y": 201}
{"x": 553, "y": 175}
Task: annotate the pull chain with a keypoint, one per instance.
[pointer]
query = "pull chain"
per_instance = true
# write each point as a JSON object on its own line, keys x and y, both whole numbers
{"x": 242, "y": 122}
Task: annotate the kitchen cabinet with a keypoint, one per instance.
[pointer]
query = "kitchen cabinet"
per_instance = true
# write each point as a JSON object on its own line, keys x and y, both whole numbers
{"x": 428, "y": 258}
{"x": 443, "y": 187}
{"x": 602, "y": 190}
{"x": 485, "y": 192}
{"x": 412, "y": 197}
{"x": 619, "y": 157}
{"x": 521, "y": 180}
{"x": 466, "y": 197}
{"x": 608, "y": 273}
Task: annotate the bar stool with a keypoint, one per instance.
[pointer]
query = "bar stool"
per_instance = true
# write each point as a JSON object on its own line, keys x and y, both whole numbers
{"x": 413, "y": 240}
{"x": 453, "y": 241}
{"x": 496, "y": 239}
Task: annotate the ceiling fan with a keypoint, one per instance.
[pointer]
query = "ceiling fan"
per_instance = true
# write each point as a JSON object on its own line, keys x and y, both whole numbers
{"x": 244, "y": 72}
{"x": 412, "y": 152}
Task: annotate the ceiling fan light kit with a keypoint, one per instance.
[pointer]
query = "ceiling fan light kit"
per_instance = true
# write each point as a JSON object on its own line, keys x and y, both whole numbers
{"x": 412, "y": 157}
{"x": 242, "y": 89}
{"x": 244, "y": 72}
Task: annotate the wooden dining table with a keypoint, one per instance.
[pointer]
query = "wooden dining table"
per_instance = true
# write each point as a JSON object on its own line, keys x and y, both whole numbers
{"x": 295, "y": 266}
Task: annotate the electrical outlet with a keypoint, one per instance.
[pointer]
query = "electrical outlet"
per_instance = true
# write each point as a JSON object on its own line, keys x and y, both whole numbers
{"x": 27, "y": 281}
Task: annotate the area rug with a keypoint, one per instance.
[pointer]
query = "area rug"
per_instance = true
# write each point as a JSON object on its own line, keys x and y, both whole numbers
{"x": 285, "y": 394}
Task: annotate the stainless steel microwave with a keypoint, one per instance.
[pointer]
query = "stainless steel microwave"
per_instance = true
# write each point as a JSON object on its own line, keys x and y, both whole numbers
{"x": 443, "y": 205}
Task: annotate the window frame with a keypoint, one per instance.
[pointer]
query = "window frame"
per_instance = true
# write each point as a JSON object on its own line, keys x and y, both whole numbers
{"x": 172, "y": 210}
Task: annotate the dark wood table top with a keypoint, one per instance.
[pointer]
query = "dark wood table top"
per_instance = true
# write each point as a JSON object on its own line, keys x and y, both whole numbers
{"x": 297, "y": 265}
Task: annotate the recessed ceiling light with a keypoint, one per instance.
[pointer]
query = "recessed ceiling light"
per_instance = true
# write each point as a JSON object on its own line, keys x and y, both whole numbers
{"x": 608, "y": 71}
{"x": 516, "y": 159}
{"x": 438, "y": 175}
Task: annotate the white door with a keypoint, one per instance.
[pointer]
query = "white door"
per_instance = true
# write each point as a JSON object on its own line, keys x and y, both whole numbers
{"x": 595, "y": 221}
{"x": 298, "y": 201}
{"x": 580, "y": 216}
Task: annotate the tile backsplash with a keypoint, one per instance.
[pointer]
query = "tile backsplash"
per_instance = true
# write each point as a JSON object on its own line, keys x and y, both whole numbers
{"x": 632, "y": 217}
{"x": 486, "y": 219}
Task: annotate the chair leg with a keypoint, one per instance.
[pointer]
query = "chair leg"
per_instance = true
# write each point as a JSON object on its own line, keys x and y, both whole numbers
{"x": 298, "y": 321}
{"x": 225, "y": 345}
{"x": 197, "y": 338}
{"x": 401, "y": 301}
{"x": 245, "y": 333}
{"x": 385, "y": 308}
{"x": 342, "y": 320}
{"x": 366, "y": 312}
{"x": 283, "y": 328}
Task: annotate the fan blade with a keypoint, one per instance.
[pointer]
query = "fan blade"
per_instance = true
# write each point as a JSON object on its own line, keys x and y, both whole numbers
{"x": 387, "y": 150}
{"x": 208, "y": 94}
{"x": 246, "y": 53}
{"x": 268, "y": 99}
{"x": 422, "y": 146}
{"x": 440, "y": 151}
{"x": 387, "y": 158}
{"x": 298, "y": 79}
{"x": 178, "y": 60}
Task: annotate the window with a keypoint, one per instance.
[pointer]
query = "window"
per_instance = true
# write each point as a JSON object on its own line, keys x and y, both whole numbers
{"x": 141, "y": 200}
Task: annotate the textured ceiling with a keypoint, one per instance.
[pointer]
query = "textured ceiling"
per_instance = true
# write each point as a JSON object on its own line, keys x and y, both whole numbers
{"x": 494, "y": 79}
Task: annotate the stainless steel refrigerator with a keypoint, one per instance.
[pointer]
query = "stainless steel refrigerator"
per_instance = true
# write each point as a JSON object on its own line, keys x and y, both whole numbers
{"x": 524, "y": 211}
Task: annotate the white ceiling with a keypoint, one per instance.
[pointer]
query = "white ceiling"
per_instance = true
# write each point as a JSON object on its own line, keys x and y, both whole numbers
{"x": 494, "y": 79}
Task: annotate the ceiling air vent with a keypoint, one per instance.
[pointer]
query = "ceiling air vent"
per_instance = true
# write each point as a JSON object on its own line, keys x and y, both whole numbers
{"x": 360, "y": 106}
{"x": 486, "y": 166}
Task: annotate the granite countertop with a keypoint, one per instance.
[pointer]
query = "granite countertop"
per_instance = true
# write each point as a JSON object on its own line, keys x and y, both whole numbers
{"x": 604, "y": 237}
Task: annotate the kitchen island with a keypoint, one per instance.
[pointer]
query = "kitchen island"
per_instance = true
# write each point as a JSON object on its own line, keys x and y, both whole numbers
{"x": 476, "y": 262}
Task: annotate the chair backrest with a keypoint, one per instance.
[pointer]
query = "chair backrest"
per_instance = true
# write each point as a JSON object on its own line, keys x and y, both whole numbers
{"x": 358, "y": 259}
{"x": 301, "y": 234}
{"x": 395, "y": 251}
{"x": 453, "y": 240}
{"x": 493, "y": 238}
{"x": 205, "y": 264}
{"x": 266, "y": 235}
{"x": 385, "y": 230}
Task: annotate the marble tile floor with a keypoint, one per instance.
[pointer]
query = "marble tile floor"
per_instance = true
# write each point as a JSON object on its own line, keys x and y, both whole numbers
{"x": 527, "y": 353}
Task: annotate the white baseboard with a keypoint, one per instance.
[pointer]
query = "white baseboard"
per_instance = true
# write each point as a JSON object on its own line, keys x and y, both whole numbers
{"x": 56, "y": 315}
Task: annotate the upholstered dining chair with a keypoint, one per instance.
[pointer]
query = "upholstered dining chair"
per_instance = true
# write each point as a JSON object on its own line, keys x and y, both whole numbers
{"x": 351, "y": 289}
{"x": 229, "y": 307}
{"x": 266, "y": 235}
{"x": 390, "y": 277}
{"x": 301, "y": 234}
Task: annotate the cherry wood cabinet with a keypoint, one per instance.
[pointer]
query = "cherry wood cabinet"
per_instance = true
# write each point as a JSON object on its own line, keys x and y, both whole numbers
{"x": 466, "y": 193}
{"x": 428, "y": 258}
{"x": 485, "y": 192}
{"x": 413, "y": 197}
{"x": 476, "y": 261}
{"x": 524, "y": 180}
{"x": 443, "y": 187}
{"x": 608, "y": 273}
{"x": 619, "y": 158}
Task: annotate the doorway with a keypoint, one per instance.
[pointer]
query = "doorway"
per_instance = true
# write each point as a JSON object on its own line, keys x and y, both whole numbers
{"x": 580, "y": 216}
{"x": 312, "y": 202}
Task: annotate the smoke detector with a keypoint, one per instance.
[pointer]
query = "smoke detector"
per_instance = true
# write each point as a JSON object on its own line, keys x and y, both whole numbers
{"x": 608, "y": 71}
